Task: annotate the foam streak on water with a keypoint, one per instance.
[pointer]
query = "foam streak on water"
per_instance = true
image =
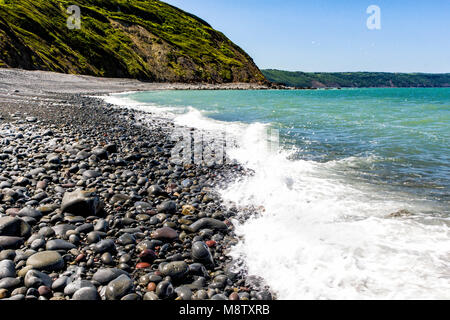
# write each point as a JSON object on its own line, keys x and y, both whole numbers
{"x": 323, "y": 236}
{"x": 322, "y": 239}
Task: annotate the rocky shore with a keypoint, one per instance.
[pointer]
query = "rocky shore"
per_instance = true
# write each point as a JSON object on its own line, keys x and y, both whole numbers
{"x": 92, "y": 208}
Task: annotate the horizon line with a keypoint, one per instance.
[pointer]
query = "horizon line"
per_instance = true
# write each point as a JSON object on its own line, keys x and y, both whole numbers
{"x": 395, "y": 72}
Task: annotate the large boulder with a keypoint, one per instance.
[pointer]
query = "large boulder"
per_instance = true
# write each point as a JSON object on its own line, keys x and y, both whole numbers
{"x": 81, "y": 202}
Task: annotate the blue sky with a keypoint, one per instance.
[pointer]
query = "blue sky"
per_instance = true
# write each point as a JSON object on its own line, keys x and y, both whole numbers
{"x": 332, "y": 36}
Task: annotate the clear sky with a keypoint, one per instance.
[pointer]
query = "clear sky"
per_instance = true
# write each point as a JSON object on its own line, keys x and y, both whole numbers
{"x": 332, "y": 35}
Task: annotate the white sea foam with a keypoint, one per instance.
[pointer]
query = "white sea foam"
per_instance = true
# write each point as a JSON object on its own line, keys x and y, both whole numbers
{"x": 122, "y": 100}
{"x": 323, "y": 237}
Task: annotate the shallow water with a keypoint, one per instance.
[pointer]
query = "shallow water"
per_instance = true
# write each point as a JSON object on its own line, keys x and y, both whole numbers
{"x": 348, "y": 159}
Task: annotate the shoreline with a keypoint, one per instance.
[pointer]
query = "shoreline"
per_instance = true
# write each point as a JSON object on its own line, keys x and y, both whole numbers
{"x": 161, "y": 233}
{"x": 52, "y": 82}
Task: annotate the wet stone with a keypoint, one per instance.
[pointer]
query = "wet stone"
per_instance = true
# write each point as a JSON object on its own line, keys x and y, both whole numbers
{"x": 46, "y": 260}
{"x": 169, "y": 207}
{"x": 7, "y": 269}
{"x": 184, "y": 293}
{"x": 14, "y": 227}
{"x": 100, "y": 153}
{"x": 107, "y": 258}
{"x": 46, "y": 232}
{"x": 219, "y": 282}
{"x": 150, "y": 296}
{"x": 106, "y": 245}
{"x": 164, "y": 289}
{"x": 104, "y": 276}
{"x": 219, "y": 297}
{"x": 60, "y": 283}
{"x": 86, "y": 294}
{"x": 208, "y": 223}
{"x": 200, "y": 253}
{"x": 35, "y": 279}
{"x": 44, "y": 291}
{"x": 76, "y": 285}
{"x": 7, "y": 242}
{"x": 119, "y": 198}
{"x": 176, "y": 270}
{"x": 131, "y": 297}
{"x": 30, "y": 212}
{"x": 118, "y": 288}
{"x": 59, "y": 244}
{"x": 79, "y": 202}
{"x": 165, "y": 234}
{"x": 93, "y": 237}
{"x": 9, "y": 283}
{"x": 155, "y": 190}
{"x": 126, "y": 239}
{"x": 7, "y": 254}
{"x": 61, "y": 229}
{"x": 101, "y": 225}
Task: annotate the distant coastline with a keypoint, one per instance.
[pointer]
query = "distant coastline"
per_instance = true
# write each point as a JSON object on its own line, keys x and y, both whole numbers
{"x": 316, "y": 80}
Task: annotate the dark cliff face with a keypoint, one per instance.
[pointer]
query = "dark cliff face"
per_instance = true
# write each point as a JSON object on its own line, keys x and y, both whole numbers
{"x": 147, "y": 40}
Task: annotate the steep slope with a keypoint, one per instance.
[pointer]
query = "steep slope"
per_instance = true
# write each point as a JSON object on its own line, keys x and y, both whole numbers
{"x": 143, "y": 39}
{"x": 357, "y": 79}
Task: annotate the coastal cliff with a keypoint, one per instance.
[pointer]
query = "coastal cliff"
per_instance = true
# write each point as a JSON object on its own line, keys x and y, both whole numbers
{"x": 146, "y": 40}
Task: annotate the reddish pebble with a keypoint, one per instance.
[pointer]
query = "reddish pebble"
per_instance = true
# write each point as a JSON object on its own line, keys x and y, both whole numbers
{"x": 44, "y": 291}
{"x": 41, "y": 185}
{"x": 12, "y": 211}
{"x": 234, "y": 296}
{"x": 165, "y": 233}
{"x": 80, "y": 257}
{"x": 143, "y": 265}
{"x": 211, "y": 243}
{"x": 157, "y": 273}
{"x": 151, "y": 286}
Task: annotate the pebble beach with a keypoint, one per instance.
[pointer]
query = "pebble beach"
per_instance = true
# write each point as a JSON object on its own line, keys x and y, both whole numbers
{"x": 92, "y": 208}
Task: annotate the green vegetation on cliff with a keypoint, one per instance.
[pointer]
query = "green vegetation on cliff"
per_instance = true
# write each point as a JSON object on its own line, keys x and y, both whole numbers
{"x": 356, "y": 79}
{"x": 144, "y": 39}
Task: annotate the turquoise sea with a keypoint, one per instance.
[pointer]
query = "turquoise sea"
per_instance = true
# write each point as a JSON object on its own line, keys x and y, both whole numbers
{"x": 349, "y": 159}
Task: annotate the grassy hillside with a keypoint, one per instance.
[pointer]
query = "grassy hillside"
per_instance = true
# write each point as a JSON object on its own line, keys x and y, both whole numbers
{"x": 357, "y": 79}
{"x": 148, "y": 40}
